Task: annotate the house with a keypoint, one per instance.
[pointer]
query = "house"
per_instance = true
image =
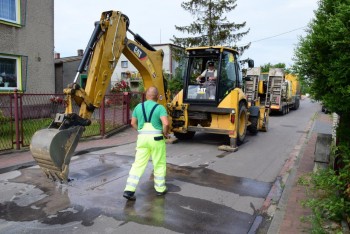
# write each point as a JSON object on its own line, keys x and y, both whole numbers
{"x": 66, "y": 68}
{"x": 65, "y": 71}
{"x": 125, "y": 70}
{"x": 27, "y": 45}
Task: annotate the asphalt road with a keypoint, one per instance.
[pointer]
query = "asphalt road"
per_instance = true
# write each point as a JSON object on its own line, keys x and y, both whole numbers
{"x": 210, "y": 191}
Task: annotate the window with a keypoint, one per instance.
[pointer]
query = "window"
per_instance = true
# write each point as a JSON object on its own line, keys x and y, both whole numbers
{"x": 83, "y": 79}
{"x": 228, "y": 74}
{"x": 9, "y": 11}
{"x": 10, "y": 73}
{"x": 124, "y": 64}
{"x": 125, "y": 75}
{"x": 204, "y": 89}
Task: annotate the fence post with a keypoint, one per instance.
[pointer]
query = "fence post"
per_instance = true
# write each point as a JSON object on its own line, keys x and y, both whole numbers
{"x": 103, "y": 118}
{"x": 21, "y": 118}
{"x": 15, "y": 95}
{"x": 127, "y": 98}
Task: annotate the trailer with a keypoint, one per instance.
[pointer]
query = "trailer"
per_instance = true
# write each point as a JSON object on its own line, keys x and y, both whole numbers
{"x": 285, "y": 91}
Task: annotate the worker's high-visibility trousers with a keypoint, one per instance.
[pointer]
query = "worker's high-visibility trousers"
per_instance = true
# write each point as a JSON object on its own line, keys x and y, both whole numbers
{"x": 146, "y": 147}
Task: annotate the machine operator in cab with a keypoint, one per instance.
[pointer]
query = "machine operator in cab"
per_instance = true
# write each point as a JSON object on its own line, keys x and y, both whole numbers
{"x": 208, "y": 79}
{"x": 209, "y": 74}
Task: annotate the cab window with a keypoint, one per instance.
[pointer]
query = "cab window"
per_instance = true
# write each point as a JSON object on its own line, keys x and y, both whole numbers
{"x": 228, "y": 74}
{"x": 200, "y": 90}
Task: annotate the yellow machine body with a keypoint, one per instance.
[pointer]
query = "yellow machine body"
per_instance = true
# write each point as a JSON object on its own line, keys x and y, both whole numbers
{"x": 52, "y": 148}
{"x": 217, "y": 106}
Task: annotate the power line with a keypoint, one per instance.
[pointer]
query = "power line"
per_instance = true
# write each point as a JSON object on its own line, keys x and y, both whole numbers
{"x": 277, "y": 35}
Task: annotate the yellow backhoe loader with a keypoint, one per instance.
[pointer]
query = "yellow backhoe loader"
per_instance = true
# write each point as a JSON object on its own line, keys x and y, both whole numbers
{"x": 52, "y": 148}
{"x": 219, "y": 106}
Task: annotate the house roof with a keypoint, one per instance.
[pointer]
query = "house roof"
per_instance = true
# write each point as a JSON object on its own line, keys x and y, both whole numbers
{"x": 68, "y": 59}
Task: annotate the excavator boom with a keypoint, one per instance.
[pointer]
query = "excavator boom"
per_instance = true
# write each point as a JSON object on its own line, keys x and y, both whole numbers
{"x": 52, "y": 148}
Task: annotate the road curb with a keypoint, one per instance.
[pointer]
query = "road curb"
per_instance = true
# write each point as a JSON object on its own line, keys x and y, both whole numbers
{"x": 17, "y": 167}
{"x": 14, "y": 160}
{"x": 271, "y": 208}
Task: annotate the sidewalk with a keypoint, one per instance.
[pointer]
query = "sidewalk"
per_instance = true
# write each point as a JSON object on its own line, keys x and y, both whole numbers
{"x": 18, "y": 159}
{"x": 288, "y": 215}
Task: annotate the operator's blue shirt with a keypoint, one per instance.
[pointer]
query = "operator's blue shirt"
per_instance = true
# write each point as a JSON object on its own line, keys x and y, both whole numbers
{"x": 157, "y": 113}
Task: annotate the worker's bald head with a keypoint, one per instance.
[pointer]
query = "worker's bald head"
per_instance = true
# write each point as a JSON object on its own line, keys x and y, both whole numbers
{"x": 152, "y": 93}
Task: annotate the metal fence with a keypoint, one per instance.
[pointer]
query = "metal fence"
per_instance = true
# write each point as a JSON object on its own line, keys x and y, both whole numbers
{"x": 21, "y": 115}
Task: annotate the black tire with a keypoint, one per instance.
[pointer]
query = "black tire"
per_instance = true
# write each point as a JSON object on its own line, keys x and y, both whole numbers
{"x": 297, "y": 103}
{"x": 253, "y": 127}
{"x": 242, "y": 123}
{"x": 284, "y": 110}
{"x": 293, "y": 107}
{"x": 184, "y": 136}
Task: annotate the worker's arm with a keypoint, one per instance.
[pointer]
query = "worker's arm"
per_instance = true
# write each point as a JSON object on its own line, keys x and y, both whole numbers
{"x": 134, "y": 123}
{"x": 165, "y": 123}
{"x": 199, "y": 78}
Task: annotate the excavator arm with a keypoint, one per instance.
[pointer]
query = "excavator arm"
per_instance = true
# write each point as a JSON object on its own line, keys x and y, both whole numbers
{"x": 53, "y": 147}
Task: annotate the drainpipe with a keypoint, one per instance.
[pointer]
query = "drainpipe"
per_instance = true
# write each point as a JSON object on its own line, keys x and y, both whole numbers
{"x": 16, "y": 119}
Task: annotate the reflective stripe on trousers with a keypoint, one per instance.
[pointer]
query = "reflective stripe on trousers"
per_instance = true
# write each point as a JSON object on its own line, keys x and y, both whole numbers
{"x": 145, "y": 148}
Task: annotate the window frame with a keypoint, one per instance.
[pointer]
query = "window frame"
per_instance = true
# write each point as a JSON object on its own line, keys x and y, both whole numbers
{"x": 124, "y": 64}
{"x": 17, "y": 21}
{"x": 18, "y": 74}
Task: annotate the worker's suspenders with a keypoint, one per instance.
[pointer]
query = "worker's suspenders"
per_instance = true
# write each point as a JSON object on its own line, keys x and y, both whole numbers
{"x": 209, "y": 73}
{"x": 144, "y": 112}
{"x": 148, "y": 128}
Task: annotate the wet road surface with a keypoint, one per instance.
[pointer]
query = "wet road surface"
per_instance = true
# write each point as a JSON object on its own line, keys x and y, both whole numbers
{"x": 96, "y": 191}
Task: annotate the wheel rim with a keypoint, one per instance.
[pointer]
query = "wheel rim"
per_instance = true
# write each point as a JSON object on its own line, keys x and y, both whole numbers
{"x": 241, "y": 127}
{"x": 266, "y": 124}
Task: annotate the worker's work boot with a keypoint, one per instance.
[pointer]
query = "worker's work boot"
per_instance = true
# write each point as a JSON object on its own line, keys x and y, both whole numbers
{"x": 129, "y": 195}
{"x": 162, "y": 193}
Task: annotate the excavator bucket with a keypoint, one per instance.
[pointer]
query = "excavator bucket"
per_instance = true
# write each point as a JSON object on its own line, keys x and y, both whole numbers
{"x": 52, "y": 149}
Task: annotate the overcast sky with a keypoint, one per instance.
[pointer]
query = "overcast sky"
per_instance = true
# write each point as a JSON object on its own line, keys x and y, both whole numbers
{"x": 269, "y": 22}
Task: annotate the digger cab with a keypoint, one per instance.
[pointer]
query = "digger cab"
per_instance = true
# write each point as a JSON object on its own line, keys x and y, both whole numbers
{"x": 227, "y": 70}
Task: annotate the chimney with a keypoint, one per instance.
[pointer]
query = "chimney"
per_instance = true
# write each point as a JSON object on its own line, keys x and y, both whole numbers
{"x": 80, "y": 52}
{"x": 57, "y": 55}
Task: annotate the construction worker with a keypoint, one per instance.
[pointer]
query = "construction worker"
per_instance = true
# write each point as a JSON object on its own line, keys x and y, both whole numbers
{"x": 151, "y": 121}
{"x": 208, "y": 75}
{"x": 208, "y": 80}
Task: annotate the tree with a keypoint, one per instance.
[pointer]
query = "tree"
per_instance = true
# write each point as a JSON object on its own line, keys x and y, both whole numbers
{"x": 266, "y": 67}
{"x": 322, "y": 57}
{"x": 211, "y": 27}
{"x": 176, "y": 84}
{"x": 322, "y": 60}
